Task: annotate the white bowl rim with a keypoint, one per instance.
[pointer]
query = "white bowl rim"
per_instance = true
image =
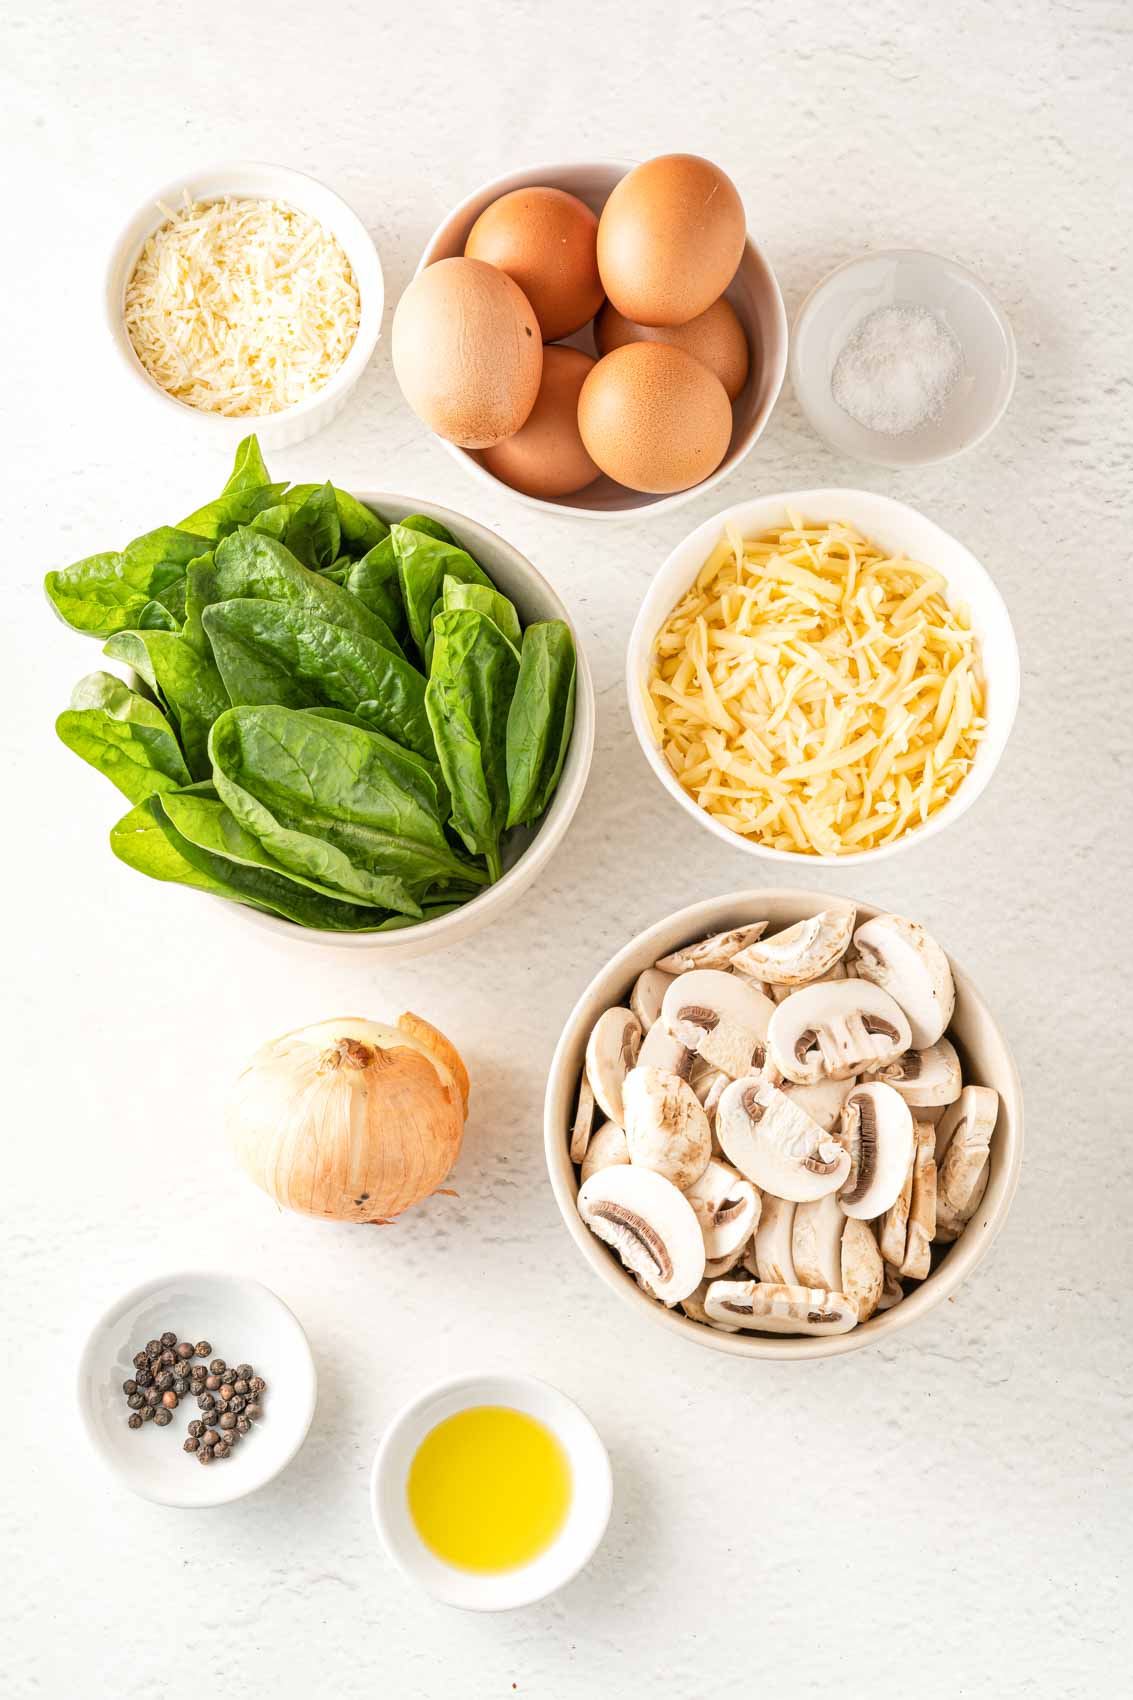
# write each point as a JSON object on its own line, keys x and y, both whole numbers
{"x": 371, "y": 291}
{"x": 806, "y": 309}
{"x": 705, "y": 536}
{"x": 678, "y": 497}
{"x": 136, "y": 1295}
{"x": 964, "y": 1255}
{"x": 600, "y": 1487}
{"x": 427, "y": 934}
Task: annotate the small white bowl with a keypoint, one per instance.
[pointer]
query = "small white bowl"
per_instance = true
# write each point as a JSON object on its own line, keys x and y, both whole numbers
{"x": 898, "y": 528}
{"x": 243, "y": 1322}
{"x": 529, "y": 849}
{"x": 754, "y": 294}
{"x": 984, "y": 1053}
{"x": 572, "y": 1548}
{"x": 905, "y": 276}
{"x": 253, "y": 181}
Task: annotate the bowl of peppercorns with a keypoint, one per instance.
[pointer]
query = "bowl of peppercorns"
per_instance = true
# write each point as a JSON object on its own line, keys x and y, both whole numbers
{"x": 197, "y": 1388}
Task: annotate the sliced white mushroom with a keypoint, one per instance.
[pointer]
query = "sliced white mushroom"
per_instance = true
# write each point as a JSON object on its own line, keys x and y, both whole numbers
{"x": 727, "y": 1206}
{"x": 775, "y": 1309}
{"x": 822, "y": 1102}
{"x": 925, "y": 1079}
{"x": 611, "y": 1052}
{"x": 773, "y": 1257}
{"x": 749, "y": 1258}
{"x": 715, "y": 1267}
{"x": 901, "y": 957}
{"x": 650, "y": 1225}
{"x": 583, "y": 1121}
{"x": 964, "y": 1133}
{"x": 666, "y": 1129}
{"x": 607, "y": 1148}
{"x": 648, "y": 991}
{"x": 720, "y": 1016}
{"x": 801, "y": 953}
{"x": 775, "y": 1143}
{"x": 660, "y": 1050}
{"x": 892, "y": 1291}
{"x": 893, "y": 1224}
{"x": 816, "y": 1243}
{"x": 877, "y": 1132}
{"x": 778, "y": 994}
{"x": 694, "y": 1306}
{"x": 863, "y": 1272}
{"x": 710, "y": 1090}
{"x": 922, "y": 1210}
{"x": 716, "y": 951}
{"x": 834, "y": 1030}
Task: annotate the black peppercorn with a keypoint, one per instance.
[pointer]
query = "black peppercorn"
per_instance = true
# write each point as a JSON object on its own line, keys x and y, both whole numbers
{"x": 243, "y": 1426}
{"x": 196, "y": 1427}
{"x": 221, "y": 1406}
{"x": 253, "y": 1412}
{"x": 236, "y": 1404}
{"x": 164, "y": 1381}
{"x": 228, "y": 1420}
{"x": 161, "y": 1416}
{"x": 153, "y": 1348}
{"x": 168, "y": 1359}
{"x": 209, "y": 1437}
{"x": 204, "y": 1454}
{"x": 218, "y": 1366}
{"x": 129, "y": 1387}
{"x": 133, "y": 1420}
{"x": 205, "y": 1401}
{"x": 140, "y": 1360}
{"x": 257, "y": 1384}
{"x": 183, "y": 1349}
{"x": 226, "y": 1390}
{"x": 168, "y": 1339}
{"x": 240, "y": 1385}
{"x": 220, "y": 1450}
{"x": 147, "y": 1413}
{"x": 244, "y": 1371}
{"x": 170, "y": 1400}
{"x": 202, "y": 1348}
{"x": 152, "y": 1396}
{"x": 191, "y": 1444}
{"x": 212, "y": 1382}
{"x": 180, "y": 1385}
{"x": 136, "y": 1401}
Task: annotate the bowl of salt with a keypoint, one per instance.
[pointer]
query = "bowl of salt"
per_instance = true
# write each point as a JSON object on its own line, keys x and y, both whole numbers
{"x": 902, "y": 358}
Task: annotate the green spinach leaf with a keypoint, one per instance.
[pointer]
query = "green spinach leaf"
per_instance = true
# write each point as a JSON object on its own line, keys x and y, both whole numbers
{"x": 422, "y": 564}
{"x": 374, "y": 581}
{"x": 540, "y": 719}
{"x": 493, "y": 604}
{"x": 248, "y": 469}
{"x": 314, "y": 535}
{"x": 186, "y": 682}
{"x": 106, "y": 593}
{"x": 470, "y": 688}
{"x": 122, "y": 735}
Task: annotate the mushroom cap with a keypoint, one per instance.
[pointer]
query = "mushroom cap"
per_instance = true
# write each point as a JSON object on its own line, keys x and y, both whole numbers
{"x": 822, "y": 1102}
{"x": 773, "y": 1308}
{"x": 774, "y": 1260}
{"x": 611, "y": 1052}
{"x": 900, "y": 956}
{"x": 926, "y": 1079}
{"x": 660, "y": 1050}
{"x": 921, "y": 1227}
{"x": 646, "y": 997}
{"x": 727, "y": 1206}
{"x": 775, "y": 1143}
{"x": 835, "y": 1029}
{"x": 963, "y": 1135}
{"x": 721, "y": 1016}
{"x": 649, "y": 1224}
{"x": 693, "y": 1307}
{"x": 666, "y": 1129}
{"x": 877, "y": 1131}
{"x": 607, "y": 1148}
{"x": 816, "y": 1243}
{"x": 800, "y": 953}
{"x": 583, "y": 1123}
{"x": 715, "y": 951}
{"x": 863, "y": 1272}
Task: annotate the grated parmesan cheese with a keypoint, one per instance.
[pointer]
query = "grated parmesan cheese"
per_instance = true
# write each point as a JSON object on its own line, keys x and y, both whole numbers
{"x": 814, "y": 694}
{"x": 241, "y": 307}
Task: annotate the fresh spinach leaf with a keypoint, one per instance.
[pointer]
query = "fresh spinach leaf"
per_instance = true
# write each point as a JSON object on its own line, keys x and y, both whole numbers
{"x": 493, "y": 604}
{"x": 422, "y": 564}
{"x": 248, "y": 469}
{"x": 374, "y": 581}
{"x": 186, "y": 682}
{"x": 106, "y": 593}
{"x": 361, "y": 527}
{"x": 155, "y": 617}
{"x": 122, "y": 735}
{"x": 540, "y": 719}
{"x": 314, "y": 535}
{"x": 429, "y": 528}
{"x": 470, "y": 688}
{"x": 337, "y": 804}
{"x": 232, "y": 509}
{"x": 273, "y": 522}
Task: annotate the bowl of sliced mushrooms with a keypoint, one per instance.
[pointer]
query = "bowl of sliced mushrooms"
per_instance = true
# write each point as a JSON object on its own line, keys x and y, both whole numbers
{"x": 783, "y": 1123}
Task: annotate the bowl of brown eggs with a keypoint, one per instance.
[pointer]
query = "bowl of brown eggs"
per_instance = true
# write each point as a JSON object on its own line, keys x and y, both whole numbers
{"x": 599, "y": 338}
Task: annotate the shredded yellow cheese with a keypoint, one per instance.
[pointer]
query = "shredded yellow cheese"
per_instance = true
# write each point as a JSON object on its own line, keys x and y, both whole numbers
{"x": 241, "y": 307}
{"x": 815, "y": 694}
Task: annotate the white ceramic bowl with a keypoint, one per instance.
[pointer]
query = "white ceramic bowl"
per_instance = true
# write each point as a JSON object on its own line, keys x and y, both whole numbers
{"x": 754, "y": 294}
{"x": 898, "y": 528}
{"x": 255, "y": 182}
{"x": 984, "y": 1054}
{"x": 243, "y": 1322}
{"x": 905, "y": 276}
{"x": 589, "y": 1513}
{"x": 529, "y": 848}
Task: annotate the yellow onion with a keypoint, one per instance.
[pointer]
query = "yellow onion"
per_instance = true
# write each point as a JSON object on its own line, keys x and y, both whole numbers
{"x": 351, "y": 1120}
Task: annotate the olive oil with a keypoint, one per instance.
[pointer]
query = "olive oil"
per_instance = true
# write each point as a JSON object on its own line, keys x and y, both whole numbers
{"x": 489, "y": 1488}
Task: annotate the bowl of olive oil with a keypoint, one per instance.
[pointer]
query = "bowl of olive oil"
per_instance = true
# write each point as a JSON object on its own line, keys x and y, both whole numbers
{"x": 491, "y": 1491}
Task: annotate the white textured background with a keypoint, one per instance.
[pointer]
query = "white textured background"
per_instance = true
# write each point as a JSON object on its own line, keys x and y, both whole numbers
{"x": 949, "y": 1516}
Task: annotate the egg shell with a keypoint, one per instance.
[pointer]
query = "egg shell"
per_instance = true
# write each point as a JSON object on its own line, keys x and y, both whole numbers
{"x": 653, "y": 418}
{"x": 715, "y": 338}
{"x": 547, "y": 241}
{"x": 670, "y": 239}
{"x": 546, "y": 457}
{"x": 467, "y": 352}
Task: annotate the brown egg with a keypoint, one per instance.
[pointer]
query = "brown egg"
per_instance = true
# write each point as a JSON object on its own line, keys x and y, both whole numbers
{"x": 546, "y": 457}
{"x": 467, "y": 352}
{"x": 669, "y": 240}
{"x": 547, "y": 241}
{"x": 715, "y": 338}
{"x": 654, "y": 418}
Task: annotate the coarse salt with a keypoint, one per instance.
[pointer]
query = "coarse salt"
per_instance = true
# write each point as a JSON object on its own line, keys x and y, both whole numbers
{"x": 896, "y": 371}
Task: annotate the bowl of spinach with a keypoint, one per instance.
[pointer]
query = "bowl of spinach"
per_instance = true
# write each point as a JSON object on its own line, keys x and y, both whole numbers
{"x": 364, "y": 719}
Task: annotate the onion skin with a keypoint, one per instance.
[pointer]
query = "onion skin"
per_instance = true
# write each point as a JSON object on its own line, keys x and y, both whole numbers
{"x": 351, "y": 1120}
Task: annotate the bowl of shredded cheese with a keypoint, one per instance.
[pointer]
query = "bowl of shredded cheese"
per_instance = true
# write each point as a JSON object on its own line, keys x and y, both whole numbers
{"x": 248, "y": 293}
{"x": 824, "y": 675}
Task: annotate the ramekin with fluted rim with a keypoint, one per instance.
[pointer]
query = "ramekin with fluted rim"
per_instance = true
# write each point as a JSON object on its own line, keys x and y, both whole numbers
{"x": 753, "y": 292}
{"x": 529, "y": 849}
{"x": 985, "y": 1057}
{"x": 896, "y": 527}
{"x": 254, "y": 181}
{"x": 573, "y": 1546}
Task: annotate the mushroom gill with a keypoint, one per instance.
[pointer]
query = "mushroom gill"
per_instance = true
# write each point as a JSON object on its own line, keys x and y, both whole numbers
{"x": 640, "y": 1230}
{"x": 863, "y": 1146}
{"x": 697, "y": 1015}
